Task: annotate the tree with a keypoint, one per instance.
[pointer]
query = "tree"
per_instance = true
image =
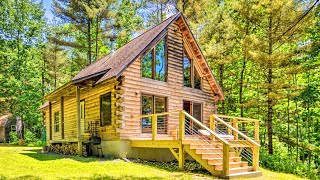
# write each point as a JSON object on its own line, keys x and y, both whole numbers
{"x": 21, "y": 35}
{"x": 92, "y": 24}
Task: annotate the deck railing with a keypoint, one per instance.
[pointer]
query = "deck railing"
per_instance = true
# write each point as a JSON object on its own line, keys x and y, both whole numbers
{"x": 231, "y": 138}
{"x": 239, "y": 142}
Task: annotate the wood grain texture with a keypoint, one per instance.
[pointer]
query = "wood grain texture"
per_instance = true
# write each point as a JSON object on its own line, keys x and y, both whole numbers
{"x": 134, "y": 86}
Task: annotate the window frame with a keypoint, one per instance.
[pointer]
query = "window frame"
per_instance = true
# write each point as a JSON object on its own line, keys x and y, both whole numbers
{"x": 100, "y": 100}
{"x": 193, "y": 68}
{"x": 153, "y": 109}
{"x": 56, "y": 121}
{"x": 153, "y": 63}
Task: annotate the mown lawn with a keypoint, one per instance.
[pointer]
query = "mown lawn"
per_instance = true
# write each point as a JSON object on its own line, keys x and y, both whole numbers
{"x": 29, "y": 163}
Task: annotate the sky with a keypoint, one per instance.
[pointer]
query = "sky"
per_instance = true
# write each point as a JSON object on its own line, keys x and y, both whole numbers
{"x": 47, "y": 5}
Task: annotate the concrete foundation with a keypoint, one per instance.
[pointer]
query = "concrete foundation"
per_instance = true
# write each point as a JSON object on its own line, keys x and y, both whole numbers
{"x": 120, "y": 149}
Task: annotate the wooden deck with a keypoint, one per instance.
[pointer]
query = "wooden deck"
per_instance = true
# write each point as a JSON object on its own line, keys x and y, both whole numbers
{"x": 220, "y": 154}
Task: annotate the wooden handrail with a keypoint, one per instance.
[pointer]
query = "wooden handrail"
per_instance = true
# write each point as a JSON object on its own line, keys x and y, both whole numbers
{"x": 205, "y": 127}
{"x": 157, "y": 114}
{"x": 239, "y": 118}
{"x": 236, "y": 130}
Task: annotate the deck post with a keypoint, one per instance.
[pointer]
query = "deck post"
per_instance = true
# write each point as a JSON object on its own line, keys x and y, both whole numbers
{"x": 256, "y": 131}
{"x": 226, "y": 156}
{"x": 212, "y": 126}
{"x": 255, "y": 158}
{"x": 154, "y": 126}
{"x": 181, "y": 137}
{"x": 181, "y": 125}
{"x": 235, "y": 125}
{"x": 78, "y": 121}
{"x": 181, "y": 157}
{"x": 50, "y": 120}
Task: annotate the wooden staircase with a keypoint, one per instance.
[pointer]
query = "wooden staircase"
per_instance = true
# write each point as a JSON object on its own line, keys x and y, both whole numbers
{"x": 220, "y": 148}
{"x": 210, "y": 156}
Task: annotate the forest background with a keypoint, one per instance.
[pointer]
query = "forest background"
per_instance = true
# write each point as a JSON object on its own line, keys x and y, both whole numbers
{"x": 265, "y": 54}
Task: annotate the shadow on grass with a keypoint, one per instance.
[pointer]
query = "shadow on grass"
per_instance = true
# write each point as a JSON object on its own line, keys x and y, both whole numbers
{"x": 103, "y": 177}
{"x": 38, "y": 155}
{"x": 189, "y": 167}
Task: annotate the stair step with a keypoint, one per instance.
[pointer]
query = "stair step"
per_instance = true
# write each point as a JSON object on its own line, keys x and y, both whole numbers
{"x": 218, "y": 166}
{"x": 246, "y": 174}
{"x": 240, "y": 170}
{"x": 208, "y": 150}
{"x": 196, "y": 146}
{"x": 219, "y": 160}
{"x": 215, "y": 155}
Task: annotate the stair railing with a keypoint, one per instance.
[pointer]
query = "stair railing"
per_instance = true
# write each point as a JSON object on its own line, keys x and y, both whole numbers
{"x": 190, "y": 127}
{"x": 248, "y": 126}
{"x": 239, "y": 142}
{"x": 196, "y": 126}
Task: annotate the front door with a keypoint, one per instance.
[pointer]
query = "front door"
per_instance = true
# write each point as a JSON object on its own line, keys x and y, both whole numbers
{"x": 195, "y": 110}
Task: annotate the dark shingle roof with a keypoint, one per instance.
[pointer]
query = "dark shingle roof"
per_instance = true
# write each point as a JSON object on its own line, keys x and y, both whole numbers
{"x": 113, "y": 64}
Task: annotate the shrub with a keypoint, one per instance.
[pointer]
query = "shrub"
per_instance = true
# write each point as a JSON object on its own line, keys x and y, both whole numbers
{"x": 282, "y": 161}
{"x": 13, "y": 138}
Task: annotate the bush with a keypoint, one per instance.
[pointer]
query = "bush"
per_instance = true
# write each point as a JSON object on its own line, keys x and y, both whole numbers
{"x": 282, "y": 161}
{"x": 13, "y": 138}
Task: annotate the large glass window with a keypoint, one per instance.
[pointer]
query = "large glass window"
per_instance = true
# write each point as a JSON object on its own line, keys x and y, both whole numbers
{"x": 154, "y": 63}
{"x": 160, "y": 61}
{"x": 197, "y": 79}
{"x": 56, "y": 121}
{"x": 191, "y": 77}
{"x": 186, "y": 70}
{"x": 160, "y": 107}
{"x": 147, "y": 65}
{"x": 105, "y": 109}
{"x": 146, "y": 107}
{"x": 150, "y": 105}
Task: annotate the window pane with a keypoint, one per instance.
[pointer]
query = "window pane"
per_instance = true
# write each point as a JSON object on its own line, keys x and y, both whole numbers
{"x": 146, "y": 64}
{"x": 105, "y": 109}
{"x": 197, "y": 111}
{"x": 160, "y": 103}
{"x": 56, "y": 121}
{"x": 197, "y": 79}
{"x": 160, "y": 61}
{"x": 82, "y": 110}
{"x": 146, "y": 108}
{"x": 186, "y": 70}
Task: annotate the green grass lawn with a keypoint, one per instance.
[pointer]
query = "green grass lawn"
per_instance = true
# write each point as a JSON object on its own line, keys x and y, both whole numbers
{"x": 29, "y": 163}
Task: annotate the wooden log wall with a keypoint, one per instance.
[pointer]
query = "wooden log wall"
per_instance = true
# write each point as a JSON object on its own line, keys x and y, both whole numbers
{"x": 134, "y": 86}
{"x": 91, "y": 96}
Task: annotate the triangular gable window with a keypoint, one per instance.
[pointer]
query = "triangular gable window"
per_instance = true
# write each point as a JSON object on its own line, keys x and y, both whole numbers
{"x": 154, "y": 63}
{"x": 191, "y": 77}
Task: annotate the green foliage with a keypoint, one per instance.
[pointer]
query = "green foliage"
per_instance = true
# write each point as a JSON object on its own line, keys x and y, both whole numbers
{"x": 13, "y": 138}
{"x": 21, "y": 35}
{"x": 282, "y": 161}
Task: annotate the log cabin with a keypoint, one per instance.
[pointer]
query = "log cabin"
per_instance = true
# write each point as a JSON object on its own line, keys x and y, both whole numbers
{"x": 154, "y": 98}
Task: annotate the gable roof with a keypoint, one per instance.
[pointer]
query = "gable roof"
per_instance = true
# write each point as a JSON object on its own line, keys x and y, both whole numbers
{"x": 116, "y": 62}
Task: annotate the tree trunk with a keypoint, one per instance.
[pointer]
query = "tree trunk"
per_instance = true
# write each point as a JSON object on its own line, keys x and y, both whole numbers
{"x": 241, "y": 86}
{"x": 96, "y": 39}
{"x": 270, "y": 113}
{"x": 221, "y": 70}
{"x": 269, "y": 81}
{"x": 288, "y": 121}
{"x": 89, "y": 41}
